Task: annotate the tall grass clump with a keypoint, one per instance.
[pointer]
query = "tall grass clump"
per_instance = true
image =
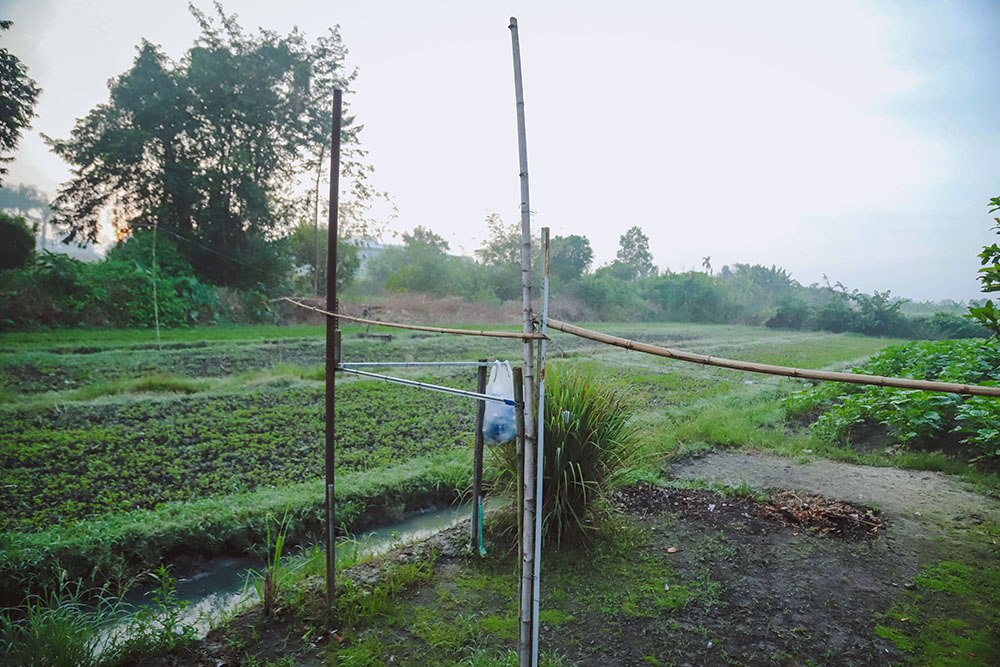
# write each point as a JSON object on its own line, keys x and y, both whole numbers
{"x": 590, "y": 443}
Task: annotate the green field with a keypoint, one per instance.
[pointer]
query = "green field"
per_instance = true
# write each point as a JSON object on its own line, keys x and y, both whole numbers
{"x": 120, "y": 451}
{"x": 121, "y": 454}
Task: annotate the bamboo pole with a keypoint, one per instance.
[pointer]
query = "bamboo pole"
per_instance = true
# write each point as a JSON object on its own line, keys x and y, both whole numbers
{"x": 412, "y": 327}
{"x": 526, "y": 533}
{"x": 769, "y": 369}
{"x": 332, "y": 349}
{"x": 527, "y": 567}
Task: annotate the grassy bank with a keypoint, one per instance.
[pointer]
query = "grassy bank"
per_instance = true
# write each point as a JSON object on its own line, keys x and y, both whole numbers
{"x": 117, "y": 547}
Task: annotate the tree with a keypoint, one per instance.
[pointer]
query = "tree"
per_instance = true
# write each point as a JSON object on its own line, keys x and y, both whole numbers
{"x": 633, "y": 250}
{"x": 503, "y": 246}
{"x": 18, "y": 247}
{"x": 988, "y": 314}
{"x": 18, "y": 94}
{"x": 302, "y": 246}
{"x": 569, "y": 257}
{"x": 423, "y": 237}
{"x": 206, "y": 147}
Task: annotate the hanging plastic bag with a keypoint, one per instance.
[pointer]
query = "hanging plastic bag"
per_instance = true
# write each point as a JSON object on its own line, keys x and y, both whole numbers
{"x": 499, "y": 419}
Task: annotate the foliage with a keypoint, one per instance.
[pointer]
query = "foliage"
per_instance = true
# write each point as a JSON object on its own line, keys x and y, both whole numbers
{"x": 633, "y": 252}
{"x": 590, "y": 441}
{"x": 206, "y": 147}
{"x": 302, "y": 242}
{"x": 569, "y": 257}
{"x": 118, "y": 546}
{"x": 421, "y": 236}
{"x": 118, "y": 457}
{"x": 793, "y": 313}
{"x": 61, "y": 291}
{"x": 18, "y": 248}
{"x": 917, "y": 418}
{"x": 17, "y": 103}
{"x": 68, "y": 625}
{"x": 987, "y": 314}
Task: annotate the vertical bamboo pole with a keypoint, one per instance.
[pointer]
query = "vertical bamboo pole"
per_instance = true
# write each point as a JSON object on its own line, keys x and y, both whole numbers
{"x": 527, "y": 556}
{"x": 477, "y": 469}
{"x": 332, "y": 345}
{"x": 540, "y": 465}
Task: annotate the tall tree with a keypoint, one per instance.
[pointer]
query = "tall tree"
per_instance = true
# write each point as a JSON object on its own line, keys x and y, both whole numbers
{"x": 18, "y": 94}
{"x": 569, "y": 257}
{"x": 633, "y": 251}
{"x": 206, "y": 148}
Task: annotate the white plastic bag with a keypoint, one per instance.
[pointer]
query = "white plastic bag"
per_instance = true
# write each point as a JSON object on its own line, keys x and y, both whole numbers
{"x": 499, "y": 419}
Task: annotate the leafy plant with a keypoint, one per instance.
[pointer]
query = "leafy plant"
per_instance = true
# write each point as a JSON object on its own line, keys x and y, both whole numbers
{"x": 988, "y": 314}
{"x": 916, "y": 417}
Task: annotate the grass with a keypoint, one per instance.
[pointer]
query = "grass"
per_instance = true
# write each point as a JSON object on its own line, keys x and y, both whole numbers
{"x": 949, "y": 617}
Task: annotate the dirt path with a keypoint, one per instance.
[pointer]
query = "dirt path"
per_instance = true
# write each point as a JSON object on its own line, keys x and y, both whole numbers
{"x": 929, "y": 513}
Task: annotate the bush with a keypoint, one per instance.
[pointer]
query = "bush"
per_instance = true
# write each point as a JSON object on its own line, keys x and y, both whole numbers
{"x": 589, "y": 442}
{"x": 18, "y": 248}
{"x": 946, "y": 326}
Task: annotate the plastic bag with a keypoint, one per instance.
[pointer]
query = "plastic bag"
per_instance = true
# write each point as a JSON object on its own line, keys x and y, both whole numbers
{"x": 499, "y": 419}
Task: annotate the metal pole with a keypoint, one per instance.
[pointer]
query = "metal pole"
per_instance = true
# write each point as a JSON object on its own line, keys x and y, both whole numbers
{"x": 477, "y": 469}
{"x": 332, "y": 346}
{"x": 407, "y": 364}
{"x": 427, "y": 385}
{"x": 540, "y": 465}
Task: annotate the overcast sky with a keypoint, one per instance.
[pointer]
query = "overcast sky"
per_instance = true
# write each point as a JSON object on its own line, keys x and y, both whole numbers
{"x": 856, "y": 140}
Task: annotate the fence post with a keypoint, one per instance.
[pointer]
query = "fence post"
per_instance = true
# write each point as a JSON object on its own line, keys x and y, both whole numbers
{"x": 477, "y": 469}
{"x": 332, "y": 348}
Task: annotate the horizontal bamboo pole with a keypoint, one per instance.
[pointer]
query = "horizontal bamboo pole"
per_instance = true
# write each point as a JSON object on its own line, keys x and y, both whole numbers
{"x": 769, "y": 369}
{"x": 415, "y": 327}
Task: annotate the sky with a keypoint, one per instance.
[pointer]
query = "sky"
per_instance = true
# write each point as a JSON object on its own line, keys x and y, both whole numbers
{"x": 852, "y": 140}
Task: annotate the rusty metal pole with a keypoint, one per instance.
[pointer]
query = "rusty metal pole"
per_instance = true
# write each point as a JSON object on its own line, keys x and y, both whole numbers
{"x": 477, "y": 469}
{"x": 332, "y": 346}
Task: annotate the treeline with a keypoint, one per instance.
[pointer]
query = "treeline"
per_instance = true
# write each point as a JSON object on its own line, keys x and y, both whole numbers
{"x": 632, "y": 288}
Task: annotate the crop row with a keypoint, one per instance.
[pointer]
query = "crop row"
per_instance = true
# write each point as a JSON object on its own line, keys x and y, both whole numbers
{"x": 85, "y": 460}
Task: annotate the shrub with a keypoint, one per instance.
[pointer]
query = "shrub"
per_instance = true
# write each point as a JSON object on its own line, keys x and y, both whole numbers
{"x": 18, "y": 247}
{"x": 590, "y": 442}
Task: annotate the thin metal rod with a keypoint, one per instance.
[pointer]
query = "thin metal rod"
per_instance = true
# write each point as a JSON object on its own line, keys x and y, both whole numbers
{"x": 540, "y": 465}
{"x": 477, "y": 464}
{"x": 769, "y": 369}
{"x": 413, "y": 327}
{"x": 404, "y": 364}
{"x": 431, "y": 387}
{"x": 331, "y": 346}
